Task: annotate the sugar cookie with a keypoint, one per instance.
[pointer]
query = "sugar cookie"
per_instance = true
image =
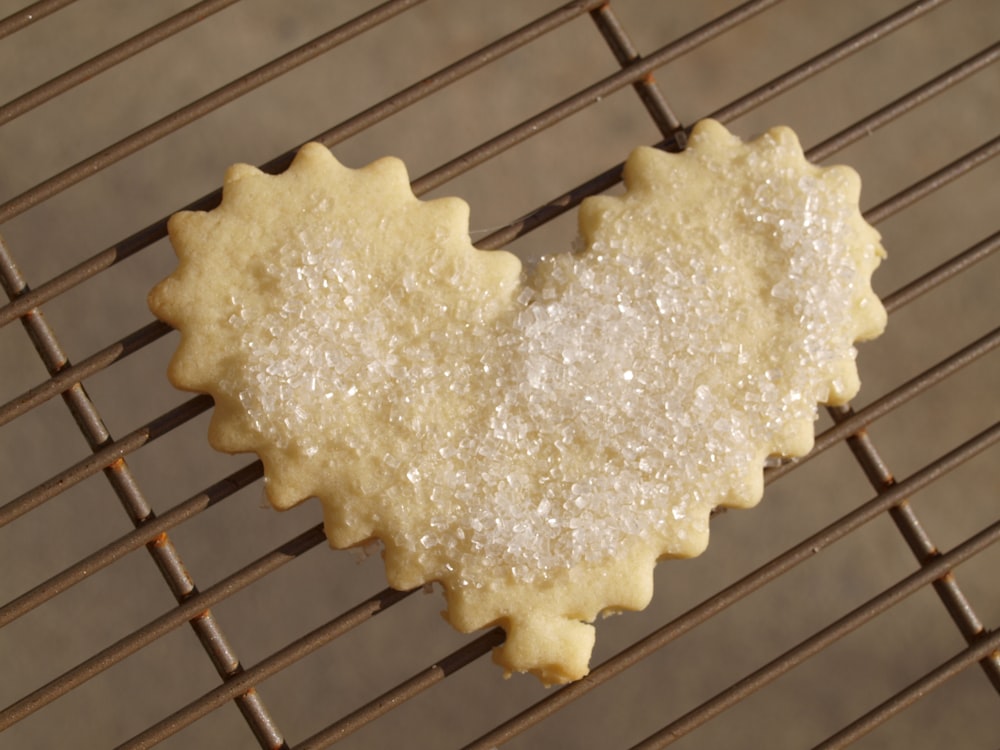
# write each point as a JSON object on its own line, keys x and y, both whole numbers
{"x": 533, "y": 441}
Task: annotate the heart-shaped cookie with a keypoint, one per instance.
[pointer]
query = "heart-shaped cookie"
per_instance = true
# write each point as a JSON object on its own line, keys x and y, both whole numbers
{"x": 535, "y": 440}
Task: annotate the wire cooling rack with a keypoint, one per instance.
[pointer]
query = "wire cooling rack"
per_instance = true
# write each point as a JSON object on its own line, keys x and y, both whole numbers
{"x": 855, "y": 605}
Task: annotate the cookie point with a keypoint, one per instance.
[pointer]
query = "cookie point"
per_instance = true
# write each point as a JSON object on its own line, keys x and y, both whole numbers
{"x": 554, "y": 649}
{"x": 783, "y": 136}
{"x": 315, "y": 150}
{"x": 238, "y": 172}
{"x": 712, "y": 135}
{"x": 389, "y": 174}
{"x": 847, "y": 182}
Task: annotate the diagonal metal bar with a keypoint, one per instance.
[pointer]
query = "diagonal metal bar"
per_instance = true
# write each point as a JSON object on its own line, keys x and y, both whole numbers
{"x": 941, "y": 273}
{"x": 940, "y": 567}
{"x": 850, "y": 734}
{"x": 158, "y": 230}
{"x": 252, "y": 676}
{"x": 929, "y": 377}
{"x": 610, "y": 177}
{"x": 134, "y": 503}
{"x": 919, "y": 542}
{"x": 644, "y": 66}
{"x": 108, "y": 456}
{"x": 192, "y": 609}
{"x": 109, "y": 58}
{"x": 626, "y": 54}
{"x": 630, "y": 75}
{"x": 737, "y": 591}
{"x": 900, "y": 106}
{"x": 825, "y": 59}
{"x": 199, "y": 108}
{"x": 27, "y": 16}
{"x": 404, "y": 691}
{"x": 859, "y": 420}
{"x": 933, "y": 182}
{"x": 70, "y": 375}
{"x": 139, "y": 537}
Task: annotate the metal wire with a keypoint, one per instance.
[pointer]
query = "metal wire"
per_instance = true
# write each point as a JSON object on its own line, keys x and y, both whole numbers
{"x": 109, "y": 58}
{"x": 139, "y": 537}
{"x": 370, "y": 117}
{"x": 188, "y": 114}
{"x": 191, "y": 609}
{"x": 299, "y": 649}
{"x": 912, "y": 693}
{"x": 817, "y": 642}
{"x": 126, "y": 488}
{"x": 108, "y": 454}
{"x": 909, "y": 525}
{"x": 771, "y": 570}
{"x": 27, "y": 16}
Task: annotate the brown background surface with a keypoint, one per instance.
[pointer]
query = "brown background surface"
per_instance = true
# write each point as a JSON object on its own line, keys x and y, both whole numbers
{"x": 799, "y": 709}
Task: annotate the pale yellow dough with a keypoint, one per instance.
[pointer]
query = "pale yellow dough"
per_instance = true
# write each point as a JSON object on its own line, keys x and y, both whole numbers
{"x": 533, "y": 441}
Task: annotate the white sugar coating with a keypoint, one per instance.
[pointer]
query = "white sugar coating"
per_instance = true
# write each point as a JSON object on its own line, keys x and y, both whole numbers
{"x": 629, "y": 389}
